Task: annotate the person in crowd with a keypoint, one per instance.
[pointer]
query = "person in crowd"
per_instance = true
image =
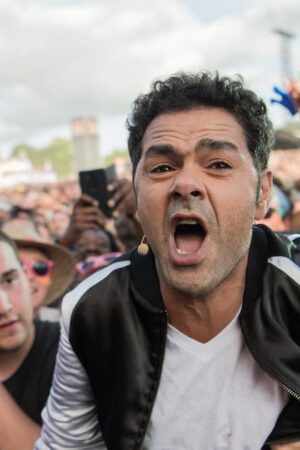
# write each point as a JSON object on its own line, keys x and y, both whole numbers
{"x": 191, "y": 340}
{"x": 93, "y": 251}
{"x": 28, "y": 349}
{"x": 30, "y": 214}
{"x": 93, "y": 243}
{"x": 86, "y": 216}
{"x": 50, "y": 268}
{"x": 129, "y": 231}
{"x": 295, "y": 221}
{"x": 293, "y": 87}
{"x": 92, "y": 238}
{"x": 123, "y": 200}
{"x": 59, "y": 222}
{"x": 280, "y": 211}
{"x": 5, "y": 208}
{"x": 42, "y": 227}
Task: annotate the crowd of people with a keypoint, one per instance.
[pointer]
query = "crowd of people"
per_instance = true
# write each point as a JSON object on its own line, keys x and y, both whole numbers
{"x": 145, "y": 330}
{"x": 51, "y": 238}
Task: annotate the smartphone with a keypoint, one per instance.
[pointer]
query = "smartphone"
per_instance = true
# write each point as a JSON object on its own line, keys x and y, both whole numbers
{"x": 94, "y": 183}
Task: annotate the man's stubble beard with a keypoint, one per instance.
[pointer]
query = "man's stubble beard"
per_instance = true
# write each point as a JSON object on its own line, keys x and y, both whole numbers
{"x": 198, "y": 282}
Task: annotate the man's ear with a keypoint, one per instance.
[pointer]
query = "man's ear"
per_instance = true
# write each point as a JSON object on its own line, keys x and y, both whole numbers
{"x": 264, "y": 195}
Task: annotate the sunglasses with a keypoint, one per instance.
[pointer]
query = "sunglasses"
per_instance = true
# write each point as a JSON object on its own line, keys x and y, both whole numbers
{"x": 40, "y": 268}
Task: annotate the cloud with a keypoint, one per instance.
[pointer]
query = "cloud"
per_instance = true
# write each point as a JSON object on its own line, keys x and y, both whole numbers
{"x": 63, "y": 59}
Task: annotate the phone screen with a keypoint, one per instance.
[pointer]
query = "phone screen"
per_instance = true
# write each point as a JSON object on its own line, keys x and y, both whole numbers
{"x": 94, "y": 183}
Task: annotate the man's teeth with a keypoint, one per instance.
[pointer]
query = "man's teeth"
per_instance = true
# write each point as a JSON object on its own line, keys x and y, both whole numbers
{"x": 182, "y": 252}
{"x": 188, "y": 222}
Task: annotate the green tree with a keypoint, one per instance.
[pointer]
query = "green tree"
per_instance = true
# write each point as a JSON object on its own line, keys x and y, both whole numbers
{"x": 58, "y": 154}
{"x": 33, "y": 154}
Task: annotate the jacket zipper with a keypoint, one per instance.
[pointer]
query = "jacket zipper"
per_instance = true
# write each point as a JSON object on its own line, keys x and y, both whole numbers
{"x": 281, "y": 384}
{"x": 287, "y": 441}
{"x": 289, "y": 391}
{"x": 286, "y": 388}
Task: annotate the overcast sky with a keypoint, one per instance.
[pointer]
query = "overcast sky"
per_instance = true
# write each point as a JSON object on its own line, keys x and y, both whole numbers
{"x": 62, "y": 59}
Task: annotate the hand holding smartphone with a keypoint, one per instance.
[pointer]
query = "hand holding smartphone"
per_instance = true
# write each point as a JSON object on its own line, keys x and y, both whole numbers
{"x": 94, "y": 183}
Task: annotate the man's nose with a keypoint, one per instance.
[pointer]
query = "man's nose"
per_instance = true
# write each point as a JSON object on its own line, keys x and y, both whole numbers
{"x": 188, "y": 184}
{"x": 5, "y": 305}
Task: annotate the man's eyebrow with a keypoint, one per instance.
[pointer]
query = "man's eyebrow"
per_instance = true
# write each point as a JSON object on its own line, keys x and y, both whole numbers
{"x": 8, "y": 273}
{"x": 215, "y": 145}
{"x": 164, "y": 149}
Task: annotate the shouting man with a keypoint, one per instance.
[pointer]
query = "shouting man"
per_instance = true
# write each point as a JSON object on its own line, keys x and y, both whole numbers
{"x": 190, "y": 342}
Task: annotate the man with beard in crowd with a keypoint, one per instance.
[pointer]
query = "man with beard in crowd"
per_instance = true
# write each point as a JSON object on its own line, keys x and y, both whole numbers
{"x": 192, "y": 340}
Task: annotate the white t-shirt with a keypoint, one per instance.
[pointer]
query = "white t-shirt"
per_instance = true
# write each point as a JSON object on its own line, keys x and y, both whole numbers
{"x": 212, "y": 396}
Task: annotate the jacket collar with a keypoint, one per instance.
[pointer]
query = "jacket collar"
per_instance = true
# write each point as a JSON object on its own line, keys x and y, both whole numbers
{"x": 264, "y": 244}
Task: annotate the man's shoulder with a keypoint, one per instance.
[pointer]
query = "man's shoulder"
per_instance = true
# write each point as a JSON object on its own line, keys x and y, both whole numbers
{"x": 46, "y": 328}
{"x": 46, "y": 335}
{"x": 271, "y": 243}
{"x": 96, "y": 288}
{"x": 128, "y": 279}
{"x": 107, "y": 276}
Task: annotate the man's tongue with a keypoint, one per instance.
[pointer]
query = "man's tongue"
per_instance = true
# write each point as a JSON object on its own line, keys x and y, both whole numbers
{"x": 188, "y": 242}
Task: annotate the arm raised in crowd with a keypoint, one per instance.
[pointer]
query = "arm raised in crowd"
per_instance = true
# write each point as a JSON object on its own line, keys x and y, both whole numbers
{"x": 123, "y": 199}
{"x": 293, "y": 87}
{"x": 85, "y": 215}
{"x": 124, "y": 203}
{"x": 17, "y": 430}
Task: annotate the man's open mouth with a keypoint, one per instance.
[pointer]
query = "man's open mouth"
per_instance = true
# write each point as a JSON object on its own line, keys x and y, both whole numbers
{"x": 189, "y": 234}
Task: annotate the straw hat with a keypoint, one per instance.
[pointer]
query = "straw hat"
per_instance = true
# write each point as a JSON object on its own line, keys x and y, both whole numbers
{"x": 63, "y": 272}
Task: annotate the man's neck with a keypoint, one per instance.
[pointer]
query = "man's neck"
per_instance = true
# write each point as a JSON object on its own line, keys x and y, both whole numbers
{"x": 11, "y": 360}
{"x": 203, "y": 318}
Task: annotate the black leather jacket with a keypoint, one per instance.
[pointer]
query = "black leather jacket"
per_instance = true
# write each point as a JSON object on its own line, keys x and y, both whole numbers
{"x": 118, "y": 331}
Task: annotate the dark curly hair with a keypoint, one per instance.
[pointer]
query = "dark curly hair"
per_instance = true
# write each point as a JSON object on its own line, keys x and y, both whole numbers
{"x": 188, "y": 91}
